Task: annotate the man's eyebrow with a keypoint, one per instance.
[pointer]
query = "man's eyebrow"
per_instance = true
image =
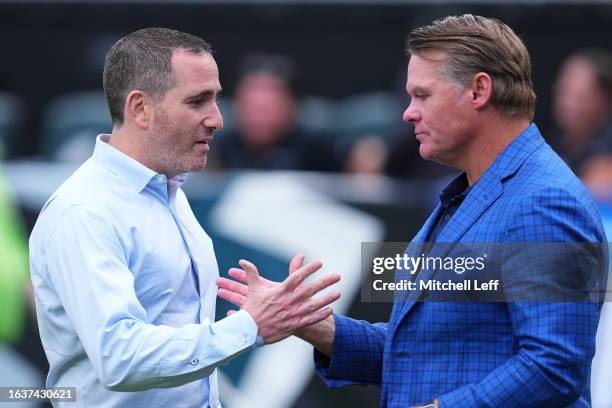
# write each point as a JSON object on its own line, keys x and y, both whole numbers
{"x": 418, "y": 89}
{"x": 204, "y": 94}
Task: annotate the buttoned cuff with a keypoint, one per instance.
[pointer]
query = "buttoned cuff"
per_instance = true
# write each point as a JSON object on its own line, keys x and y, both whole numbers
{"x": 216, "y": 344}
{"x": 259, "y": 341}
{"x": 238, "y": 331}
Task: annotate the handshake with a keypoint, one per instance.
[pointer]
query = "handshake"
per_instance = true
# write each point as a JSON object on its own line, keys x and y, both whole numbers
{"x": 281, "y": 309}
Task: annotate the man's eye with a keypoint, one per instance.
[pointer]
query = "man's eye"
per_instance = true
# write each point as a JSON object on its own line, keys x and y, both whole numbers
{"x": 196, "y": 102}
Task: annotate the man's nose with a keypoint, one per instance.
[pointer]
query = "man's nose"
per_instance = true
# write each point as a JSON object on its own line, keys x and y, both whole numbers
{"x": 410, "y": 114}
{"x": 215, "y": 120}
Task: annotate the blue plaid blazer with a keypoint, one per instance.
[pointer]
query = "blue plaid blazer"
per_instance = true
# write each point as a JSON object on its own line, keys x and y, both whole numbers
{"x": 466, "y": 354}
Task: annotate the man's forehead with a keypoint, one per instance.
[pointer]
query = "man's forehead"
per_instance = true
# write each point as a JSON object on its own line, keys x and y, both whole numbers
{"x": 427, "y": 58}
{"x": 183, "y": 53}
{"x": 424, "y": 68}
{"x": 190, "y": 68}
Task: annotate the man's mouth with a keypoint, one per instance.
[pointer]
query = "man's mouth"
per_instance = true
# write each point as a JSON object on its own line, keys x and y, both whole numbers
{"x": 203, "y": 144}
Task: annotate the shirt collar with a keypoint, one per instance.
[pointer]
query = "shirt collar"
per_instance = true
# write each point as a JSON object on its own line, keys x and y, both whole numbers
{"x": 458, "y": 188}
{"x": 136, "y": 175}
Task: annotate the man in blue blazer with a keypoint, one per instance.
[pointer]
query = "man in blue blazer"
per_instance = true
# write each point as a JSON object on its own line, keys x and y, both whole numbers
{"x": 472, "y": 106}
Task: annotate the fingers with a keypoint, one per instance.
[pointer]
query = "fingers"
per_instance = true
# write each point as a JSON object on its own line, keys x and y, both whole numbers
{"x": 324, "y": 300}
{"x": 231, "y": 312}
{"x": 316, "y": 286}
{"x": 232, "y": 297}
{"x": 232, "y": 286}
{"x": 297, "y": 277}
{"x": 312, "y": 306}
{"x": 251, "y": 272}
{"x": 238, "y": 274}
{"x": 296, "y": 263}
{"x": 316, "y": 317}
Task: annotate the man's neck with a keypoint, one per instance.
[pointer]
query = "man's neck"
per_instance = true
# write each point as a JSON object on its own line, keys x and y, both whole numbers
{"x": 127, "y": 143}
{"x": 493, "y": 138}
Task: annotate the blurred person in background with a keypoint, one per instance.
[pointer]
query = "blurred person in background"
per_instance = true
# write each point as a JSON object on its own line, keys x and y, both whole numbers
{"x": 266, "y": 135}
{"x": 596, "y": 173}
{"x": 582, "y": 105}
{"x": 123, "y": 273}
{"x": 368, "y": 155}
{"x": 15, "y": 295}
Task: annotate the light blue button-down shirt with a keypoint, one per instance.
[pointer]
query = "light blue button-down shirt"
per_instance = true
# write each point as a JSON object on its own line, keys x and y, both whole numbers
{"x": 124, "y": 280}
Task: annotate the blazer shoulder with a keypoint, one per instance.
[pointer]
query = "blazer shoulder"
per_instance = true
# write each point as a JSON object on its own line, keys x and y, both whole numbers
{"x": 547, "y": 202}
{"x": 544, "y": 172}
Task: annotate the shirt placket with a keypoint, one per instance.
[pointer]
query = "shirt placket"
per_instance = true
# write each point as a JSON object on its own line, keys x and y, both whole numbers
{"x": 171, "y": 204}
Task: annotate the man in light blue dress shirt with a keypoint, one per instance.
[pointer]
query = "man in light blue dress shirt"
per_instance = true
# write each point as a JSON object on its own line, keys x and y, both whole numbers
{"x": 124, "y": 275}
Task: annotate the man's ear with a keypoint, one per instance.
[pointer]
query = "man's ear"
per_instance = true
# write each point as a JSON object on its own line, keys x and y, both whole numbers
{"x": 482, "y": 90}
{"x": 139, "y": 108}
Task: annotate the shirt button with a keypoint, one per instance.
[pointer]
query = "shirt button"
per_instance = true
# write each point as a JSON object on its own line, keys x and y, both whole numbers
{"x": 242, "y": 341}
{"x": 194, "y": 361}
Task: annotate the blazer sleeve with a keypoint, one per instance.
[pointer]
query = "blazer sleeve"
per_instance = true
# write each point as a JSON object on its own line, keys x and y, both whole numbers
{"x": 357, "y": 354}
{"x": 556, "y": 340}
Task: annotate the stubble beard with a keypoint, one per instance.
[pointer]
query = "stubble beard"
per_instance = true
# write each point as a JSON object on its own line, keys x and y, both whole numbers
{"x": 165, "y": 152}
{"x": 173, "y": 160}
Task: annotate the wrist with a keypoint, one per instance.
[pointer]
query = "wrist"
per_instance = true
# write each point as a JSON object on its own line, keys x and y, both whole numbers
{"x": 321, "y": 335}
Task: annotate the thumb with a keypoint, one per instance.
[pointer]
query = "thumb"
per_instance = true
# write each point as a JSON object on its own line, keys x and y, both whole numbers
{"x": 230, "y": 312}
{"x": 251, "y": 272}
{"x": 296, "y": 263}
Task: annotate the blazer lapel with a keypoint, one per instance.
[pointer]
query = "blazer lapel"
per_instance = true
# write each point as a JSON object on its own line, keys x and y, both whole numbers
{"x": 427, "y": 227}
{"x": 483, "y": 194}
{"x": 480, "y": 198}
{"x": 413, "y": 250}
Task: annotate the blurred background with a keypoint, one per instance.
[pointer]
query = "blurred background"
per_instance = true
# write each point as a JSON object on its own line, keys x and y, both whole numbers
{"x": 314, "y": 157}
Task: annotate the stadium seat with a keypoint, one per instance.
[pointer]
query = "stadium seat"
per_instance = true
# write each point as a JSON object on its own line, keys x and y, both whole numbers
{"x": 377, "y": 114}
{"x": 317, "y": 114}
{"x": 371, "y": 114}
{"x": 71, "y": 123}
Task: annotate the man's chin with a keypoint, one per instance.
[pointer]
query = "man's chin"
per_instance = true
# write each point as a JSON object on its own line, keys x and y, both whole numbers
{"x": 193, "y": 168}
{"x": 199, "y": 166}
{"x": 437, "y": 158}
{"x": 426, "y": 153}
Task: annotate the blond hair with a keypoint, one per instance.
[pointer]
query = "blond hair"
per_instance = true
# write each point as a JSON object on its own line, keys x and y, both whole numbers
{"x": 474, "y": 44}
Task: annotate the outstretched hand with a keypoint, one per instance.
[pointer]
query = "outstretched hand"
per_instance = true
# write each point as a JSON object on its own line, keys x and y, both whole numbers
{"x": 235, "y": 291}
{"x": 280, "y": 308}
